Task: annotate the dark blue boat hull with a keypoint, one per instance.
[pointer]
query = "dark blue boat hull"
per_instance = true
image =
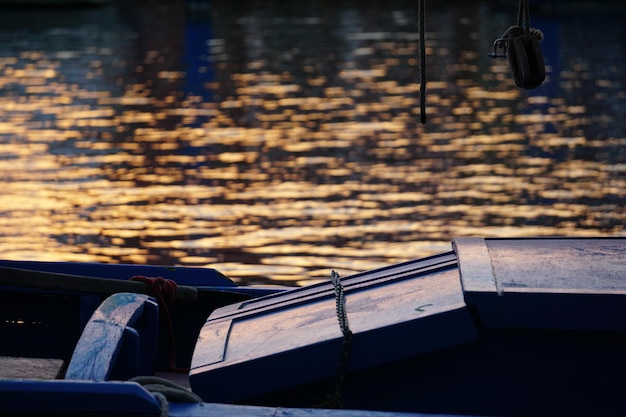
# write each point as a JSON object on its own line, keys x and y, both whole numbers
{"x": 47, "y": 324}
{"x": 545, "y": 336}
{"x": 498, "y": 327}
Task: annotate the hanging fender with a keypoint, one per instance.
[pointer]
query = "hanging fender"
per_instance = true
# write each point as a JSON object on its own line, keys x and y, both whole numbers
{"x": 521, "y": 45}
{"x": 526, "y": 60}
{"x": 522, "y": 48}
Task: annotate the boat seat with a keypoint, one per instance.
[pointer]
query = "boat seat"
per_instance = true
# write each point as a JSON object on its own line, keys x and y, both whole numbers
{"x": 119, "y": 341}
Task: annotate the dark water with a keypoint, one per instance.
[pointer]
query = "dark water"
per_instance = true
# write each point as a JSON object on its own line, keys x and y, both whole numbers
{"x": 278, "y": 140}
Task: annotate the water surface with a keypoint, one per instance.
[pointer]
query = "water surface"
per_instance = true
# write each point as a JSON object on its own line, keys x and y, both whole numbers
{"x": 277, "y": 141}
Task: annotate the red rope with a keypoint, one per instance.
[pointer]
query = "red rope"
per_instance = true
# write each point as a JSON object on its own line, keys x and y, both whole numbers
{"x": 164, "y": 290}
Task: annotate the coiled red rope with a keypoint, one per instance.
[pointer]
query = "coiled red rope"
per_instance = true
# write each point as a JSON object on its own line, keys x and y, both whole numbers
{"x": 164, "y": 290}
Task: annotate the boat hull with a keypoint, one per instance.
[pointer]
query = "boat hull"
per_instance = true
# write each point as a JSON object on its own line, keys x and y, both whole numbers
{"x": 29, "y": 316}
{"x": 545, "y": 336}
{"x": 496, "y": 327}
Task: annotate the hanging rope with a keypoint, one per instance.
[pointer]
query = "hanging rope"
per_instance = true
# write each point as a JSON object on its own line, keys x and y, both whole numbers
{"x": 422, "y": 31}
{"x": 172, "y": 391}
{"x": 523, "y": 19}
{"x": 164, "y": 290}
{"x": 340, "y": 300}
{"x": 342, "y": 316}
{"x": 523, "y": 14}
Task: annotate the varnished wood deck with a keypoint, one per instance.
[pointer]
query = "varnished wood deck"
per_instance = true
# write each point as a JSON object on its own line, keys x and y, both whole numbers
{"x": 29, "y": 368}
{"x": 36, "y": 368}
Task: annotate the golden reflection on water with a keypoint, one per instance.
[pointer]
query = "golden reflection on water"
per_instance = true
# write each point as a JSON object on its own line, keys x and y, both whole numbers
{"x": 276, "y": 144}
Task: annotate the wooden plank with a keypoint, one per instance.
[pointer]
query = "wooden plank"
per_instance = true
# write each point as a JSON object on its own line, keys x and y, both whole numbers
{"x": 29, "y": 368}
{"x": 232, "y": 410}
{"x": 475, "y": 265}
{"x": 545, "y": 283}
{"x": 299, "y": 341}
{"x": 351, "y": 283}
{"x": 593, "y": 265}
{"x": 102, "y": 338}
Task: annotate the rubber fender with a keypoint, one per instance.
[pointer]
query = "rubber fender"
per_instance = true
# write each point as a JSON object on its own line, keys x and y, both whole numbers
{"x": 526, "y": 60}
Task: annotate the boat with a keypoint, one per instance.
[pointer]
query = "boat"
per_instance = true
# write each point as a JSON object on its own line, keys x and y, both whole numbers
{"x": 493, "y": 327}
{"x": 53, "y": 301}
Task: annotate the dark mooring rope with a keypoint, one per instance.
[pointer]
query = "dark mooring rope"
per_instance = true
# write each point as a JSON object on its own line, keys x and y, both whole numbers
{"x": 523, "y": 14}
{"x": 342, "y": 316}
{"x": 421, "y": 23}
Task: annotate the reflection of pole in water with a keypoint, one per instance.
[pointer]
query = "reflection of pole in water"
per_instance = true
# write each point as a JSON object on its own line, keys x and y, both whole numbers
{"x": 199, "y": 71}
{"x": 158, "y": 46}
